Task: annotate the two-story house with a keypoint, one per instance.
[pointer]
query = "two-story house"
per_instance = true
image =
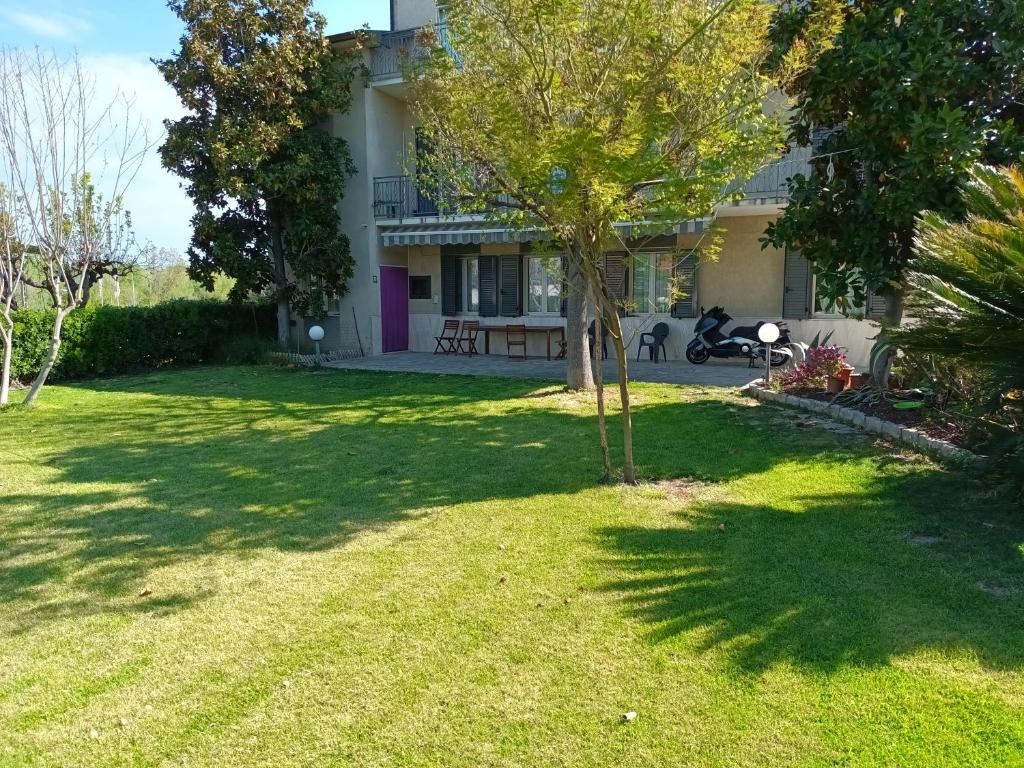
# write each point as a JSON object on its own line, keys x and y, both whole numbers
{"x": 416, "y": 265}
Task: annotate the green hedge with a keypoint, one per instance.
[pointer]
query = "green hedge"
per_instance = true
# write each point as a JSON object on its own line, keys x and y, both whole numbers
{"x": 100, "y": 341}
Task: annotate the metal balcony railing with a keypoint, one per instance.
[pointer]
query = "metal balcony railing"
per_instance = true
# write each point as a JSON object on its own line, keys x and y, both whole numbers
{"x": 773, "y": 179}
{"x": 396, "y": 197}
{"x": 394, "y": 47}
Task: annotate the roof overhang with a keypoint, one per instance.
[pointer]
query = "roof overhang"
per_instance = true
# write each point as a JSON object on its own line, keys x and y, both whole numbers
{"x": 477, "y": 232}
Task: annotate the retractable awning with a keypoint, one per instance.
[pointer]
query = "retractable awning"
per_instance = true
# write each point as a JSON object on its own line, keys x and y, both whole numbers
{"x": 477, "y": 232}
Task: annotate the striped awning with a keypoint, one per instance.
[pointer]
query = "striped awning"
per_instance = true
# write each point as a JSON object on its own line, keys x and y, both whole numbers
{"x": 477, "y": 232}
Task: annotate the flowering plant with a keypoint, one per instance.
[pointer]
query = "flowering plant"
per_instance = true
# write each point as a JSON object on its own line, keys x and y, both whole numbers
{"x": 820, "y": 363}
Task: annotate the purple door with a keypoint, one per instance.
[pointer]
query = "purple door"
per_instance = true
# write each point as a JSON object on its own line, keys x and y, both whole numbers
{"x": 394, "y": 308}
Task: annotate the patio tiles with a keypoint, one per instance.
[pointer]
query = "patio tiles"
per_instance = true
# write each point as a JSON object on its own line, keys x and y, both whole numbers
{"x": 720, "y": 374}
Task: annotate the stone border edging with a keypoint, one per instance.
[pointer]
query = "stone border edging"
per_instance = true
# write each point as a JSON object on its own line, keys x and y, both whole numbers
{"x": 309, "y": 361}
{"x": 888, "y": 430}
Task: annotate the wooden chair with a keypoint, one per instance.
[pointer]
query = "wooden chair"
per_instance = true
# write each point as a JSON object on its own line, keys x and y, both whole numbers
{"x": 448, "y": 339}
{"x": 563, "y": 349}
{"x": 467, "y": 339}
{"x": 515, "y": 336}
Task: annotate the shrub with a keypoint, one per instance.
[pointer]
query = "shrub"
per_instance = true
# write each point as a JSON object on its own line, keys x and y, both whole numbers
{"x": 110, "y": 340}
{"x": 968, "y": 280}
{"x": 820, "y": 363}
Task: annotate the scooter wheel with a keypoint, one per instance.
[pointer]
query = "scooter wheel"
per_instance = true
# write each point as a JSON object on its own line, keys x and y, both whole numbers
{"x": 697, "y": 355}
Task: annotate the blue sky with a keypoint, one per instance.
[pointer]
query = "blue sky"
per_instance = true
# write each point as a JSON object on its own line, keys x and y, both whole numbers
{"x": 116, "y": 39}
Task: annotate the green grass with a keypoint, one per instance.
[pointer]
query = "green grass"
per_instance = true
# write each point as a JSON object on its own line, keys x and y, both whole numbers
{"x": 361, "y": 569}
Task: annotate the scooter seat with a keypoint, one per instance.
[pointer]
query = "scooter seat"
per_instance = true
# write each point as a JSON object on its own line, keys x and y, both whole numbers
{"x": 746, "y": 331}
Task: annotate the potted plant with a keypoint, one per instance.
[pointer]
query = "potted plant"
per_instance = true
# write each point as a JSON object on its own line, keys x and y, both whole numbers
{"x": 815, "y": 370}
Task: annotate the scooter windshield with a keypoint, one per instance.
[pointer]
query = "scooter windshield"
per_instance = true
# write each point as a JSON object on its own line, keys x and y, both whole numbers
{"x": 705, "y": 324}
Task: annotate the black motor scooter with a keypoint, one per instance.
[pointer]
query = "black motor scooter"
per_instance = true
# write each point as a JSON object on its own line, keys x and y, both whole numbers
{"x": 711, "y": 340}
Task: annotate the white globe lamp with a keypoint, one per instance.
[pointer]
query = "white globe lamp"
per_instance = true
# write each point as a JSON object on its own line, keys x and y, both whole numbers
{"x": 768, "y": 334}
{"x": 316, "y": 333}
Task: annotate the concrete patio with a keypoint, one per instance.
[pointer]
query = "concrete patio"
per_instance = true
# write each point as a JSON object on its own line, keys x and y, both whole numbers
{"x": 719, "y": 374}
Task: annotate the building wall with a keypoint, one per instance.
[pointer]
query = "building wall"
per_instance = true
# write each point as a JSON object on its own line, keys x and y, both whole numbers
{"x": 744, "y": 279}
{"x": 413, "y": 13}
{"x": 747, "y": 281}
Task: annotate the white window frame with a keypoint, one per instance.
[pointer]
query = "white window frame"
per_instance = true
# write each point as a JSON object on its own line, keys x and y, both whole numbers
{"x": 552, "y": 278}
{"x": 469, "y": 265}
{"x": 652, "y": 282}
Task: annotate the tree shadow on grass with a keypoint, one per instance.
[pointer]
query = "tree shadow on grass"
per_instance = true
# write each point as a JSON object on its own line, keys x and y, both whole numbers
{"x": 239, "y": 461}
{"x": 855, "y": 579}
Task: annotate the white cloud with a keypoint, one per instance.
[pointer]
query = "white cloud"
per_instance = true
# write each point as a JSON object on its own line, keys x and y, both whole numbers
{"x": 53, "y": 25}
{"x": 161, "y": 211}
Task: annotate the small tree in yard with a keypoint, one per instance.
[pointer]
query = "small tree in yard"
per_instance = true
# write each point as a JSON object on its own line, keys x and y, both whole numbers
{"x": 13, "y": 239}
{"x": 54, "y": 132}
{"x": 912, "y": 93}
{"x": 571, "y": 115}
{"x": 257, "y": 77}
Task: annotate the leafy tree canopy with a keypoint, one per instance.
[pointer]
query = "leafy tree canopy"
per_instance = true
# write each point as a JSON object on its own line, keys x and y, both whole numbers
{"x": 258, "y": 79}
{"x": 912, "y": 93}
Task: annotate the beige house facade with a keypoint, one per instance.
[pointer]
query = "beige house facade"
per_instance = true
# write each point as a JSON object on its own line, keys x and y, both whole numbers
{"x": 415, "y": 267}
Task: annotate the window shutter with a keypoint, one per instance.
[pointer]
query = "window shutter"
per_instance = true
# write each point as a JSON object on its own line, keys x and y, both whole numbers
{"x": 510, "y": 277}
{"x": 615, "y": 279}
{"x": 875, "y": 305}
{"x": 450, "y": 288}
{"x": 798, "y": 286}
{"x": 488, "y": 286}
{"x": 563, "y": 308}
{"x": 684, "y": 274}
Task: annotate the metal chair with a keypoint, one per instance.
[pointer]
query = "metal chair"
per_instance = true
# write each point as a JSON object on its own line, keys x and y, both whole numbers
{"x": 448, "y": 339}
{"x": 466, "y": 344}
{"x": 604, "y": 339}
{"x": 654, "y": 341}
{"x": 515, "y": 336}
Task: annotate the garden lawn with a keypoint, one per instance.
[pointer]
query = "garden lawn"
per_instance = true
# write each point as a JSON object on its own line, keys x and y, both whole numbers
{"x": 265, "y": 567}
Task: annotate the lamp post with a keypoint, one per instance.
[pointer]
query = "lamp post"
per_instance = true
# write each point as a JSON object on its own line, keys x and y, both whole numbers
{"x": 768, "y": 334}
{"x": 315, "y": 334}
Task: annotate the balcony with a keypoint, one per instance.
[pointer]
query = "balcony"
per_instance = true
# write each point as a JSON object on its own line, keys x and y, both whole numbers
{"x": 772, "y": 180}
{"x": 396, "y": 197}
{"x": 394, "y": 47}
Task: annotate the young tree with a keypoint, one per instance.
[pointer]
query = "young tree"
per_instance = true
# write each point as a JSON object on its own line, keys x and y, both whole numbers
{"x": 572, "y": 115}
{"x": 257, "y": 78}
{"x": 53, "y": 132}
{"x": 13, "y": 240}
{"x": 911, "y": 95}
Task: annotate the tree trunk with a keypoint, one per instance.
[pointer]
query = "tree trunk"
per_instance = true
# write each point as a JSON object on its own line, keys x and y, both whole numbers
{"x": 602, "y": 424}
{"x": 628, "y": 470}
{"x": 51, "y": 358}
{"x": 578, "y": 374}
{"x": 893, "y": 317}
{"x": 284, "y": 319}
{"x": 7, "y": 335}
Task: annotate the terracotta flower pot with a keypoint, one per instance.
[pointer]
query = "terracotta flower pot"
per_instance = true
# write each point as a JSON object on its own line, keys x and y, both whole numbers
{"x": 834, "y": 385}
{"x": 858, "y": 380}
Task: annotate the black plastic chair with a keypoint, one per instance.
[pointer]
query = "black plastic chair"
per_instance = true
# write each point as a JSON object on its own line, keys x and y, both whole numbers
{"x": 604, "y": 339}
{"x": 654, "y": 341}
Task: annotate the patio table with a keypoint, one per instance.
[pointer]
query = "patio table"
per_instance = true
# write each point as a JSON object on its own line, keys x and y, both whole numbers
{"x": 547, "y": 330}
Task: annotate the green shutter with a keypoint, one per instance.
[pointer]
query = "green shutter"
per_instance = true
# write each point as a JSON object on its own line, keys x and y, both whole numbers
{"x": 563, "y": 308}
{"x": 798, "y": 286}
{"x": 684, "y": 274}
{"x": 875, "y": 305}
{"x": 510, "y": 276}
{"x": 450, "y": 289}
{"x": 615, "y": 276}
{"x": 488, "y": 286}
